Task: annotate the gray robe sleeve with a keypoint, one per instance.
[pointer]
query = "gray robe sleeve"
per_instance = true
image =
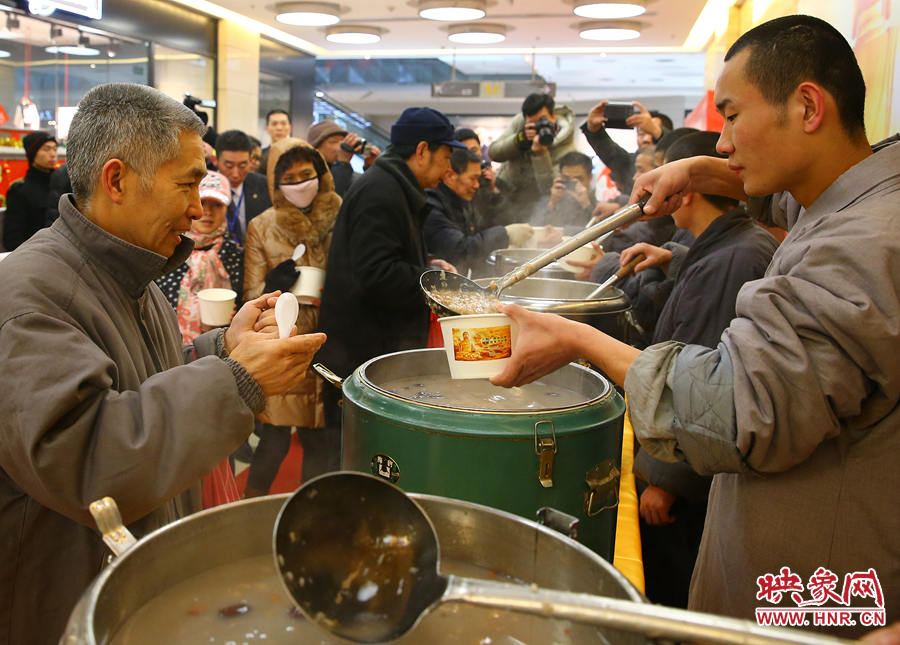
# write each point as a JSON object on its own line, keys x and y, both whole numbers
{"x": 681, "y": 404}
{"x": 70, "y": 438}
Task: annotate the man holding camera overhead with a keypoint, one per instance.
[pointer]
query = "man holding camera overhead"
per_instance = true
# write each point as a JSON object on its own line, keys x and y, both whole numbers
{"x": 530, "y": 149}
{"x": 337, "y": 147}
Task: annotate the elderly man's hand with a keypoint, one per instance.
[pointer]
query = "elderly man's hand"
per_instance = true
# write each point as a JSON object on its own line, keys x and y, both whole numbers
{"x": 544, "y": 345}
{"x": 245, "y": 321}
{"x": 277, "y": 364}
{"x": 655, "y": 506}
{"x": 443, "y": 265}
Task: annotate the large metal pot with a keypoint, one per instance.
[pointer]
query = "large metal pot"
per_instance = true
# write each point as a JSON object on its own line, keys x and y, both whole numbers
{"x": 610, "y": 312}
{"x": 505, "y": 260}
{"x": 520, "y": 462}
{"x": 474, "y": 535}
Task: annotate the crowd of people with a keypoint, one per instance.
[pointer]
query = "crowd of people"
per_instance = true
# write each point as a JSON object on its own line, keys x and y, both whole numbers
{"x": 760, "y": 378}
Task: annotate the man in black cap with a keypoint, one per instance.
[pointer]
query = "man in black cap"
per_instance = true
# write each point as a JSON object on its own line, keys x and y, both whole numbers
{"x": 372, "y": 303}
{"x": 26, "y": 201}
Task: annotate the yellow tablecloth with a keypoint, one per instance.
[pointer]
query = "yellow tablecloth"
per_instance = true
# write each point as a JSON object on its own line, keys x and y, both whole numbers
{"x": 627, "y": 557}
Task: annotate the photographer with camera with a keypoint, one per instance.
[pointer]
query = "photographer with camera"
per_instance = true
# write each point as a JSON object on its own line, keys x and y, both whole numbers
{"x": 651, "y": 126}
{"x": 530, "y": 149}
{"x": 572, "y": 201}
{"x": 337, "y": 147}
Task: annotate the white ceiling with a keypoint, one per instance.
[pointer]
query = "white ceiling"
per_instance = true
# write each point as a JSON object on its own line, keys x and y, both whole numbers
{"x": 654, "y": 67}
{"x": 536, "y": 23}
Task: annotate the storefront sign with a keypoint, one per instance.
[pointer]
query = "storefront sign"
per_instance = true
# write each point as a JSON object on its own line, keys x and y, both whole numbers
{"x": 87, "y": 8}
{"x": 491, "y": 89}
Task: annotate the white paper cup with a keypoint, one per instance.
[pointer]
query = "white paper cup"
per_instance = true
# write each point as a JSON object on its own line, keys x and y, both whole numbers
{"x": 216, "y": 306}
{"x": 478, "y": 346}
{"x": 584, "y": 253}
{"x": 309, "y": 284}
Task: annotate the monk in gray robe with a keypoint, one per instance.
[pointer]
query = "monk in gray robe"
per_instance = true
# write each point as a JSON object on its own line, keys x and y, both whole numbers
{"x": 99, "y": 398}
{"x": 797, "y": 410}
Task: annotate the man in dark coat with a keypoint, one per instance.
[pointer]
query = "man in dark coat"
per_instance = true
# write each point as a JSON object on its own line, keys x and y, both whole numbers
{"x": 59, "y": 185}
{"x": 730, "y": 250}
{"x": 450, "y": 229}
{"x": 26, "y": 200}
{"x": 249, "y": 190}
{"x": 372, "y": 303}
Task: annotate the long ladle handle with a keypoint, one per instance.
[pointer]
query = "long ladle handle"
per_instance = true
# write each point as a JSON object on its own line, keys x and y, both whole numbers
{"x": 654, "y": 621}
{"x": 614, "y": 221}
{"x": 618, "y": 275}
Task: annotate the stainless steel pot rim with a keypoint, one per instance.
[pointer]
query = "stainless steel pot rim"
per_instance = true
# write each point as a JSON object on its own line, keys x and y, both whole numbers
{"x": 97, "y": 587}
{"x": 611, "y": 293}
{"x": 607, "y": 392}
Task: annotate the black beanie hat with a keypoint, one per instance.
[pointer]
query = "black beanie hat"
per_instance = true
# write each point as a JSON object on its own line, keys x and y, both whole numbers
{"x": 33, "y": 142}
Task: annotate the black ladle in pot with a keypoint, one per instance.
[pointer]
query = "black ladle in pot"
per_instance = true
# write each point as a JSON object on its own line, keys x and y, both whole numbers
{"x": 437, "y": 280}
{"x": 361, "y": 561}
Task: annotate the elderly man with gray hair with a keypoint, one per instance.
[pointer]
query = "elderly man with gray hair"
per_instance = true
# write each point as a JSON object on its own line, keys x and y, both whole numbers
{"x": 99, "y": 397}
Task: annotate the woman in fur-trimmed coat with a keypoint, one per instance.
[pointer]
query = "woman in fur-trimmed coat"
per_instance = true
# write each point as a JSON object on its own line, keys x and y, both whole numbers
{"x": 304, "y": 209}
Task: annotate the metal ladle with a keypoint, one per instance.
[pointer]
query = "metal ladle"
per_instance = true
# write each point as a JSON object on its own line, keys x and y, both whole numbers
{"x": 360, "y": 560}
{"x": 438, "y": 280}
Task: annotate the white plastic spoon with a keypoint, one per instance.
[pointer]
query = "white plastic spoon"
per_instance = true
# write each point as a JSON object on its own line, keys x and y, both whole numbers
{"x": 286, "y": 311}
{"x": 299, "y": 251}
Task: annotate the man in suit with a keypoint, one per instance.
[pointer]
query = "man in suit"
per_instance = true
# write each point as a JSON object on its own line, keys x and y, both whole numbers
{"x": 278, "y": 126}
{"x": 249, "y": 190}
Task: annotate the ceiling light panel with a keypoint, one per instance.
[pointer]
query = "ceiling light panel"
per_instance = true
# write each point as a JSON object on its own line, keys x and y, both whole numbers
{"x": 452, "y": 10}
{"x": 72, "y": 50}
{"x": 609, "y": 30}
{"x": 307, "y": 14}
{"x": 354, "y": 34}
{"x": 609, "y": 10}
{"x": 477, "y": 34}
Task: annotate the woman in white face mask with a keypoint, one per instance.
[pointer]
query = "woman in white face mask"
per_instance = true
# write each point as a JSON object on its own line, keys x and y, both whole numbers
{"x": 303, "y": 212}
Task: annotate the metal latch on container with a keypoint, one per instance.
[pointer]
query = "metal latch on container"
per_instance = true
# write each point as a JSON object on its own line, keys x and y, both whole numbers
{"x": 603, "y": 480}
{"x": 558, "y": 521}
{"x": 545, "y": 448}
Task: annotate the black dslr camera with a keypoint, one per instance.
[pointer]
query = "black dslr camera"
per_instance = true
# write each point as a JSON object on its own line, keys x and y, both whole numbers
{"x": 546, "y": 131}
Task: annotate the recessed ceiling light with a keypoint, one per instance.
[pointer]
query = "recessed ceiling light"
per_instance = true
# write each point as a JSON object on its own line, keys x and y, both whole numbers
{"x": 72, "y": 50}
{"x": 11, "y": 35}
{"x": 354, "y": 34}
{"x": 452, "y": 10}
{"x": 4, "y": 54}
{"x": 609, "y": 30}
{"x": 477, "y": 34}
{"x": 612, "y": 10}
{"x": 307, "y": 14}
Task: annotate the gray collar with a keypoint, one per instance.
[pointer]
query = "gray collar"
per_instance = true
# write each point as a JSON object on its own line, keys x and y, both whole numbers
{"x": 870, "y": 176}
{"x": 131, "y": 266}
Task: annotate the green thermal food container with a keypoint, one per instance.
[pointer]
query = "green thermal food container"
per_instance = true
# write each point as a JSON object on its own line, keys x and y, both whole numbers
{"x": 564, "y": 459}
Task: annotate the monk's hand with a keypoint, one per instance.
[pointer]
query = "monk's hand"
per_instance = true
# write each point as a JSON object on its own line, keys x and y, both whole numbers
{"x": 655, "y": 506}
{"x": 656, "y": 257}
{"x": 889, "y": 635}
{"x": 667, "y": 186}
{"x": 544, "y": 345}
{"x": 244, "y": 321}
{"x": 277, "y": 364}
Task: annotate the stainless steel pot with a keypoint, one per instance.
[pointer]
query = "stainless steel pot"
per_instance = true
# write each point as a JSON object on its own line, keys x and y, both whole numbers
{"x": 505, "y": 260}
{"x": 610, "y": 312}
{"x": 498, "y": 542}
